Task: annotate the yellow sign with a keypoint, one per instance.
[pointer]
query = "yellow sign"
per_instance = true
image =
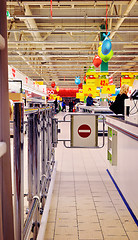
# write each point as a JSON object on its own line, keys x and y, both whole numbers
{"x": 89, "y": 89}
{"x": 80, "y": 96}
{"x": 97, "y": 82}
{"x": 131, "y": 75}
{"x": 97, "y": 74}
{"x": 39, "y": 82}
{"x": 110, "y": 89}
{"x": 104, "y": 82}
{"x": 127, "y": 81}
{"x": 92, "y": 82}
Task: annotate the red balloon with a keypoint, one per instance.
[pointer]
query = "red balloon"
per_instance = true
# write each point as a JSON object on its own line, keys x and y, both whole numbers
{"x": 80, "y": 86}
{"x": 84, "y": 78}
{"x": 53, "y": 84}
{"x": 97, "y": 61}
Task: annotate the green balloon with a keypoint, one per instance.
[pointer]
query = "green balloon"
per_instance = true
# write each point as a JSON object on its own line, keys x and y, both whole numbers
{"x": 107, "y": 57}
{"x": 91, "y": 69}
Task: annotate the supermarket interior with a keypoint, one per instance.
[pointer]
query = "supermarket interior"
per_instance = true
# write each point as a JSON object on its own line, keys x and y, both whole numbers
{"x": 68, "y": 120}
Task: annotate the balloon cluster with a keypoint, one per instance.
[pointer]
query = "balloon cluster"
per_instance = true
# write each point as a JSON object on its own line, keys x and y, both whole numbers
{"x": 105, "y": 51}
{"x": 77, "y": 80}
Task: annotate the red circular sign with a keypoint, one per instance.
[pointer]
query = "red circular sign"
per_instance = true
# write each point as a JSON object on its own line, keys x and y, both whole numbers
{"x": 84, "y": 131}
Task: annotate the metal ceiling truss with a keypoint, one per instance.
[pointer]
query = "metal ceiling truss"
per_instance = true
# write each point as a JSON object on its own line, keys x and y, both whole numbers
{"x": 71, "y": 36}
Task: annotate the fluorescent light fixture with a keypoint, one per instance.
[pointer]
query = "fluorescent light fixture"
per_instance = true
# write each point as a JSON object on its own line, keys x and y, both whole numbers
{"x": 69, "y": 43}
{"x": 71, "y": 17}
{"x": 67, "y": 31}
{"x": 69, "y": 61}
{"x": 70, "y": 56}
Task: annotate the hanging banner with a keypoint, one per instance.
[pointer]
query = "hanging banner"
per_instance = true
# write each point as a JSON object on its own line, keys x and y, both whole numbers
{"x": 127, "y": 81}
{"x": 92, "y": 82}
{"x": 110, "y": 89}
{"x": 127, "y": 78}
{"x": 80, "y": 96}
{"x": 97, "y": 82}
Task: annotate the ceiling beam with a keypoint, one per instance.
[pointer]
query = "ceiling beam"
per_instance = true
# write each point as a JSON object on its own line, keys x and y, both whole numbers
{"x": 120, "y": 21}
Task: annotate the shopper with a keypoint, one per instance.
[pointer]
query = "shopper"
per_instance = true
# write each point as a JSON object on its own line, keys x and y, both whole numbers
{"x": 118, "y": 105}
{"x": 56, "y": 105}
{"x": 89, "y": 100}
{"x": 63, "y": 106}
{"x": 70, "y": 106}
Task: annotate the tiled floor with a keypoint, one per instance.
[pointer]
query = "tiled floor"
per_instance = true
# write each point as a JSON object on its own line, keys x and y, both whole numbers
{"x": 85, "y": 203}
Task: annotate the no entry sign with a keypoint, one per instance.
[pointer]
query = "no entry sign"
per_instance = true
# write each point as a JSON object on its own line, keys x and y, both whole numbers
{"x": 84, "y": 131}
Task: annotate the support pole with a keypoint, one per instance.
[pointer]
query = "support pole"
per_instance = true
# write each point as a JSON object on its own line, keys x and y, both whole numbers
{"x": 30, "y": 157}
{"x": 43, "y": 157}
{"x": 43, "y": 143}
{"x": 6, "y": 225}
{"x": 36, "y": 166}
{"x": 18, "y": 170}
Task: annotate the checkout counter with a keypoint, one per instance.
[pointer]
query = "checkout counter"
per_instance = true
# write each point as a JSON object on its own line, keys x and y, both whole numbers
{"x": 122, "y": 160}
{"x": 95, "y": 109}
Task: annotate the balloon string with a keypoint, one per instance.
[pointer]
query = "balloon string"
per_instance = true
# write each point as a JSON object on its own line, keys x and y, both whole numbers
{"x": 106, "y": 16}
{"x": 51, "y": 7}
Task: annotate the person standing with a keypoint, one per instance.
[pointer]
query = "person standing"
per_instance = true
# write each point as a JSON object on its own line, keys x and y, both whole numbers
{"x": 56, "y": 104}
{"x": 118, "y": 105}
{"x": 89, "y": 100}
{"x": 70, "y": 106}
{"x": 63, "y": 106}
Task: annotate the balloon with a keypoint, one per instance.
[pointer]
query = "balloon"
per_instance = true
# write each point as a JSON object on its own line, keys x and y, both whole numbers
{"x": 91, "y": 69}
{"x": 107, "y": 57}
{"x": 106, "y": 46}
{"x": 57, "y": 89}
{"x": 97, "y": 61}
{"x": 77, "y": 80}
{"x": 80, "y": 86}
{"x": 53, "y": 84}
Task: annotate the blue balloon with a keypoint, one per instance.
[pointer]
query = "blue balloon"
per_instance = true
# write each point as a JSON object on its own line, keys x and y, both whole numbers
{"x": 77, "y": 80}
{"x": 106, "y": 46}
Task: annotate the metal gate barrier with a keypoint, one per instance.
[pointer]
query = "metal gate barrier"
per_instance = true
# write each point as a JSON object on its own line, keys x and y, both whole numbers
{"x": 84, "y": 130}
{"x": 42, "y": 134}
{"x": 41, "y": 168}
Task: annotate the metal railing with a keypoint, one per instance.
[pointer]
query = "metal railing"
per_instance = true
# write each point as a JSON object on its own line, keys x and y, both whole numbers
{"x": 41, "y": 165}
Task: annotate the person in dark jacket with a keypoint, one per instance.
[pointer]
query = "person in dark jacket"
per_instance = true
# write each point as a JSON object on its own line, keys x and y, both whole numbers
{"x": 89, "y": 100}
{"x": 70, "y": 106}
{"x": 63, "y": 106}
{"x": 118, "y": 105}
{"x": 56, "y": 104}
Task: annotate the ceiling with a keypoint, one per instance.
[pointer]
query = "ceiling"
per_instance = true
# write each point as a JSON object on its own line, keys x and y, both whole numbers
{"x": 58, "y": 48}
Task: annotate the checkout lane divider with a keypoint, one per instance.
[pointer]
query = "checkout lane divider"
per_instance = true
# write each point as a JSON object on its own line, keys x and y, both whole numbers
{"x": 123, "y": 198}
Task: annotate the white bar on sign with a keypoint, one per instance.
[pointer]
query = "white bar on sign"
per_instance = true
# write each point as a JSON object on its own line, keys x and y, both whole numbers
{"x": 84, "y": 131}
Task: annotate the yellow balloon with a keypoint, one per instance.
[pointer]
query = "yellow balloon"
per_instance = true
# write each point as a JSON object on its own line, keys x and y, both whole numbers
{"x": 57, "y": 89}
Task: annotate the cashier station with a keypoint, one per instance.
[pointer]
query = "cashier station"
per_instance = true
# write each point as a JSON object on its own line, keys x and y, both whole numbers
{"x": 122, "y": 154}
